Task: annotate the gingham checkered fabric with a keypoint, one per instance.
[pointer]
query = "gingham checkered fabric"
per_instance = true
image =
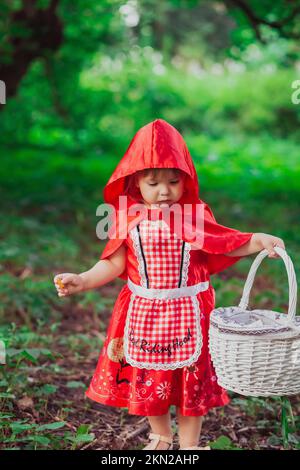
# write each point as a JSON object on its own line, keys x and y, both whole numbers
{"x": 162, "y": 251}
{"x": 161, "y": 333}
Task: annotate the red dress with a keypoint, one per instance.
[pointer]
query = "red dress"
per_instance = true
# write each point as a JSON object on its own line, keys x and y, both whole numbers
{"x": 149, "y": 391}
{"x": 156, "y": 349}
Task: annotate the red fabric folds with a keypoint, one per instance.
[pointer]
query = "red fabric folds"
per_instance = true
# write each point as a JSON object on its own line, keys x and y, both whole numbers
{"x": 160, "y": 145}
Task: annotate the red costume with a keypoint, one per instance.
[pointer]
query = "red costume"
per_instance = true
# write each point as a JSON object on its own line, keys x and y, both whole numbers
{"x": 156, "y": 350}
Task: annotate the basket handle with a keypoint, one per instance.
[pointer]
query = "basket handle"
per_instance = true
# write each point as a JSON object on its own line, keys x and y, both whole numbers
{"x": 291, "y": 278}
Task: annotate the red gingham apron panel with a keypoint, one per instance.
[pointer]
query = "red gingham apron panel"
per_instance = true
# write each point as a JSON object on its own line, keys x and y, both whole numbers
{"x": 162, "y": 250}
{"x": 161, "y": 333}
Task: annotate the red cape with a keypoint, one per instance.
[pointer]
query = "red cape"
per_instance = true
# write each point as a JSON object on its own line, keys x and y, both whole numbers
{"x": 160, "y": 145}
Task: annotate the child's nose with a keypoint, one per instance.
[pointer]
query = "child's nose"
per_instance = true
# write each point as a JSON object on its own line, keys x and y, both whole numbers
{"x": 164, "y": 191}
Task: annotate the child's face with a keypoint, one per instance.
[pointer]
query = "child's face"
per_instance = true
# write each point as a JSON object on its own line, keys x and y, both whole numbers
{"x": 162, "y": 187}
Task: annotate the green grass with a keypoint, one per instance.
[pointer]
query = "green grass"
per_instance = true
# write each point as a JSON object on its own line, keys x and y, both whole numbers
{"x": 48, "y": 226}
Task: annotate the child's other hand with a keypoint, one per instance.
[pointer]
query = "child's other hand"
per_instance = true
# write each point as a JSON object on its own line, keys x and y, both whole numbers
{"x": 268, "y": 242}
{"x": 68, "y": 283}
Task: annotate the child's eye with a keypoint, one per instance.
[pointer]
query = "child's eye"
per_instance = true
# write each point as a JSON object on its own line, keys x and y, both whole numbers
{"x": 174, "y": 182}
{"x": 152, "y": 184}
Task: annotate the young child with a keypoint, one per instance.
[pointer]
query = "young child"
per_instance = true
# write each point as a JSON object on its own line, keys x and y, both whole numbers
{"x": 156, "y": 350}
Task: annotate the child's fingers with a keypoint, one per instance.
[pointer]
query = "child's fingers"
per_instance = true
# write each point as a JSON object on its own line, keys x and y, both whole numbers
{"x": 271, "y": 250}
{"x": 65, "y": 283}
{"x": 61, "y": 283}
{"x": 60, "y": 292}
{"x": 58, "y": 281}
{"x": 280, "y": 244}
{"x": 63, "y": 292}
{"x": 269, "y": 246}
{"x": 67, "y": 279}
{"x": 62, "y": 280}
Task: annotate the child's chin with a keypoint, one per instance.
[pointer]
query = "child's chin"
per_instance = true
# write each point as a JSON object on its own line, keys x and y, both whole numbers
{"x": 163, "y": 204}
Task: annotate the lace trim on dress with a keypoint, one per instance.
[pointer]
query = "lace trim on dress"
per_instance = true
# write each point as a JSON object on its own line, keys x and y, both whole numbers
{"x": 185, "y": 266}
{"x": 186, "y": 263}
{"x": 138, "y": 253}
{"x": 141, "y": 267}
{"x": 163, "y": 294}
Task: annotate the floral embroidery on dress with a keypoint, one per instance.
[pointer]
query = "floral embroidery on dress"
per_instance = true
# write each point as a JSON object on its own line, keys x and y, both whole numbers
{"x": 163, "y": 390}
{"x": 191, "y": 370}
{"x": 149, "y": 391}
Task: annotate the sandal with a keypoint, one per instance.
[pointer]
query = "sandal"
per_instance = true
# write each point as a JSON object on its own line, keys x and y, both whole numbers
{"x": 155, "y": 439}
{"x": 195, "y": 448}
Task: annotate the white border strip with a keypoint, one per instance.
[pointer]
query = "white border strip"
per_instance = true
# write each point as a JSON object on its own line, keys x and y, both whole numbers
{"x": 185, "y": 291}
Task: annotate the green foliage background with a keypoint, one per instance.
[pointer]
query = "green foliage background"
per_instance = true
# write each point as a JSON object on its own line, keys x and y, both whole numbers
{"x": 197, "y": 65}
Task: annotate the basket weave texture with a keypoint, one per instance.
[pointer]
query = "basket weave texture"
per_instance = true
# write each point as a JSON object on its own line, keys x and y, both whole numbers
{"x": 257, "y": 352}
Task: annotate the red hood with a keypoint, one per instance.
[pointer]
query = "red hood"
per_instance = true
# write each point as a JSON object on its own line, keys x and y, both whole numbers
{"x": 156, "y": 145}
{"x": 160, "y": 145}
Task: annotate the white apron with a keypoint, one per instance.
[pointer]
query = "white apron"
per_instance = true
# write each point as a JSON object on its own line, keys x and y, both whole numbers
{"x": 162, "y": 329}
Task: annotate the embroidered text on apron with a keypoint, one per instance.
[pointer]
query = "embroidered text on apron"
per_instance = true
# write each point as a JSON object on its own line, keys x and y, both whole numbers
{"x": 162, "y": 329}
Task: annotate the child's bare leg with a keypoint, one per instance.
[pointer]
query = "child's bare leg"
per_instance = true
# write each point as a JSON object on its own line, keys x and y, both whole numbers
{"x": 161, "y": 425}
{"x": 189, "y": 429}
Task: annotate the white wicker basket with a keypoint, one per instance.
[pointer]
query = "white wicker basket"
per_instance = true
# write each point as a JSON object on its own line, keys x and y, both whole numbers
{"x": 257, "y": 352}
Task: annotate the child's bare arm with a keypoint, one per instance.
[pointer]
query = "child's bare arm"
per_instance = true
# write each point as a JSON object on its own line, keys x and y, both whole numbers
{"x": 103, "y": 272}
{"x": 258, "y": 242}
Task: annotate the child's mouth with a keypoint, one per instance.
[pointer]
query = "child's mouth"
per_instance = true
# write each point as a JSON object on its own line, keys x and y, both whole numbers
{"x": 165, "y": 202}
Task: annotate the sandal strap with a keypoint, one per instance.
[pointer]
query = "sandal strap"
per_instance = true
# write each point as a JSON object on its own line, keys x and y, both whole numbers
{"x": 159, "y": 437}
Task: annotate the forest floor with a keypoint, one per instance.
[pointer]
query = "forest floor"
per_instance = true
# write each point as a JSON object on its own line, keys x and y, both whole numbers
{"x": 52, "y": 391}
